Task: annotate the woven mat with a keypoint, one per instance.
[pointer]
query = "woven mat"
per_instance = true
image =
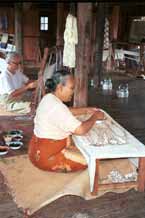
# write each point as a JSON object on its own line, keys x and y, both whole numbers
{"x": 32, "y": 188}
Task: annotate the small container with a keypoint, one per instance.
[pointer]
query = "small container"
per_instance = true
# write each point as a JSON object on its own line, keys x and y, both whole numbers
{"x": 110, "y": 84}
{"x": 7, "y": 138}
{"x": 122, "y": 91}
{"x": 3, "y": 150}
{"x": 15, "y": 145}
{"x": 92, "y": 83}
{"x": 15, "y": 132}
{"x": 17, "y": 138}
{"x": 107, "y": 84}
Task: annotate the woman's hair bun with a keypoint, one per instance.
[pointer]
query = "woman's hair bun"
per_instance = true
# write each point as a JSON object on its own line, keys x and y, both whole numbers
{"x": 58, "y": 76}
{"x": 50, "y": 85}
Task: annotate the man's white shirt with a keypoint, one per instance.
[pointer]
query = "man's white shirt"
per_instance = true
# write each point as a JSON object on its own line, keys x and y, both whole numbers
{"x": 10, "y": 82}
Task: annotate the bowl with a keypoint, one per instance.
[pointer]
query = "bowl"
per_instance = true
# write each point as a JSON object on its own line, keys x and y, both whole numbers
{"x": 15, "y": 132}
{"x": 17, "y": 138}
{"x": 122, "y": 94}
{"x": 3, "y": 150}
{"x": 15, "y": 145}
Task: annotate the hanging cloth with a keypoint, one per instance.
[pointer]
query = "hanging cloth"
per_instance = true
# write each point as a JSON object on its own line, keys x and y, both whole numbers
{"x": 70, "y": 41}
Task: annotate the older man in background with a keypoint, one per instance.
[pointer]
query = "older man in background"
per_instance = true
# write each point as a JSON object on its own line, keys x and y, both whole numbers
{"x": 14, "y": 84}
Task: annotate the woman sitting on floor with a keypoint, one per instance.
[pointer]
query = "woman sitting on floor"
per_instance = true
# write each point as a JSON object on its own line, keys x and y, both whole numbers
{"x": 54, "y": 122}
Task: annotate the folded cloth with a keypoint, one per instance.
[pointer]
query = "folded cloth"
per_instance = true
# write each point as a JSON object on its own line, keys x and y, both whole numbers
{"x": 18, "y": 106}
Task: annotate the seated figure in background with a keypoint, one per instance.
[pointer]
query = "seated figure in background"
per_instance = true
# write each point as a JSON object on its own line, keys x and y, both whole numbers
{"x": 54, "y": 122}
{"x": 14, "y": 84}
{"x": 3, "y": 64}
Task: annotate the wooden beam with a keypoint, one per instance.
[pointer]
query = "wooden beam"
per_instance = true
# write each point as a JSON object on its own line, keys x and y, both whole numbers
{"x": 83, "y": 54}
{"x": 115, "y": 186}
{"x": 27, "y": 6}
{"x": 18, "y": 27}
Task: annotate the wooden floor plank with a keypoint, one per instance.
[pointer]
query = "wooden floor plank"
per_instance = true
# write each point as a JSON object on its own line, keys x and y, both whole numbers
{"x": 130, "y": 113}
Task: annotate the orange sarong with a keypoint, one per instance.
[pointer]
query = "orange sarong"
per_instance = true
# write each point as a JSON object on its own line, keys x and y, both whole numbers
{"x": 47, "y": 154}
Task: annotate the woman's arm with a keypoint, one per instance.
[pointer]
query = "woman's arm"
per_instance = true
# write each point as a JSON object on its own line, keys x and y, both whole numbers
{"x": 82, "y": 110}
{"x": 87, "y": 125}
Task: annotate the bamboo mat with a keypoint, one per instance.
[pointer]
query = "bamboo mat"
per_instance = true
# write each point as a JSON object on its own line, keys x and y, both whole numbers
{"x": 32, "y": 188}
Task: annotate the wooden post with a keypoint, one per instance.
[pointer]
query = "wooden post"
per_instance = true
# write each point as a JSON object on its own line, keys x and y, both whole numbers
{"x": 60, "y": 24}
{"x": 115, "y": 23}
{"x": 18, "y": 28}
{"x": 142, "y": 61}
{"x": 100, "y": 39}
{"x": 141, "y": 174}
{"x": 93, "y": 45}
{"x": 83, "y": 54}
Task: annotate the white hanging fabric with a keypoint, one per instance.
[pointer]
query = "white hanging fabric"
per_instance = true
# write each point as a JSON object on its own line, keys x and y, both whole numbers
{"x": 70, "y": 41}
{"x": 106, "y": 34}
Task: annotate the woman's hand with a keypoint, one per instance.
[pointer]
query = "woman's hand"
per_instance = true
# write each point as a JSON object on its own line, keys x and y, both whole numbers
{"x": 99, "y": 115}
{"x": 87, "y": 124}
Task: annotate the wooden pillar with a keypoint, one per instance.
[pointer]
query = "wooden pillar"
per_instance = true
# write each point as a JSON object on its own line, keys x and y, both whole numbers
{"x": 83, "y": 54}
{"x": 141, "y": 174}
{"x": 10, "y": 15}
{"x": 115, "y": 23}
{"x": 18, "y": 27}
{"x": 142, "y": 60}
{"x": 100, "y": 23}
{"x": 60, "y": 24}
{"x": 93, "y": 44}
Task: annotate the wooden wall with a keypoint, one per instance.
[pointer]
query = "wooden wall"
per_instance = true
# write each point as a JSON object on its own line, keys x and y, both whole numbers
{"x": 31, "y": 34}
{"x": 9, "y": 12}
{"x": 33, "y": 38}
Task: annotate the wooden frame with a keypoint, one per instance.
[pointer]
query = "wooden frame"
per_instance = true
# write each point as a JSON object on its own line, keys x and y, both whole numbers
{"x": 139, "y": 184}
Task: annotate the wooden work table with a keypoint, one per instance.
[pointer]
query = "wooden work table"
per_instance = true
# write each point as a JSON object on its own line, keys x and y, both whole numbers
{"x": 130, "y": 148}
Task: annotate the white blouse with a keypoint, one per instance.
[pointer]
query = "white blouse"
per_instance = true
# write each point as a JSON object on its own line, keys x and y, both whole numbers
{"x": 53, "y": 119}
